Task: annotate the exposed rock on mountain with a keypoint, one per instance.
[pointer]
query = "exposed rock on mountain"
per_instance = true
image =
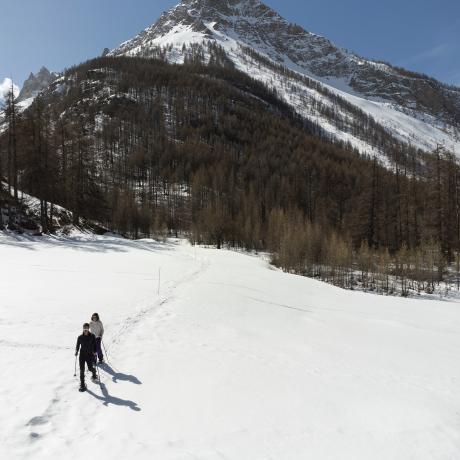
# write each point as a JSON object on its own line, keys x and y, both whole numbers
{"x": 307, "y": 69}
{"x": 36, "y": 83}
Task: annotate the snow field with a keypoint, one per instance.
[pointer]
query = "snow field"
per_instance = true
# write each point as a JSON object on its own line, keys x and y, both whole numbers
{"x": 232, "y": 360}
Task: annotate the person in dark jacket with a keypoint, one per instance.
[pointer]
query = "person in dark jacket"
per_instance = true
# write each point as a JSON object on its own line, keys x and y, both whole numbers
{"x": 86, "y": 344}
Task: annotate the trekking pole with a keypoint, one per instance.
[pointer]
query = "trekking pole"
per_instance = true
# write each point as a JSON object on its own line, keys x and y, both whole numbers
{"x": 75, "y": 367}
{"x": 98, "y": 375}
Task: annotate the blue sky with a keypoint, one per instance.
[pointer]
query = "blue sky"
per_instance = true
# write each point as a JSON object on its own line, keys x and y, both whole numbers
{"x": 422, "y": 35}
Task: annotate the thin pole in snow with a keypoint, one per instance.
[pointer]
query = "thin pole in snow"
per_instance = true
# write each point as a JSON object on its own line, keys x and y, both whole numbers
{"x": 159, "y": 280}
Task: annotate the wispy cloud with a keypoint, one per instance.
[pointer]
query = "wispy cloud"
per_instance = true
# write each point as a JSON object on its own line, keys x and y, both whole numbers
{"x": 441, "y": 61}
{"x": 5, "y": 87}
{"x": 435, "y": 52}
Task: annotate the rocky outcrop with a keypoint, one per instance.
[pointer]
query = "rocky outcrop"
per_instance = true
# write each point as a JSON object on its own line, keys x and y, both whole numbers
{"x": 254, "y": 24}
{"x": 36, "y": 83}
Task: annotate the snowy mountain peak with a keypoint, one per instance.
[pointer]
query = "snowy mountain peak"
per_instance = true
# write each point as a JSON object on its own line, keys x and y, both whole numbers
{"x": 36, "y": 83}
{"x": 239, "y": 14}
{"x": 240, "y": 7}
{"x": 306, "y": 69}
{"x": 249, "y": 22}
{"x": 229, "y": 7}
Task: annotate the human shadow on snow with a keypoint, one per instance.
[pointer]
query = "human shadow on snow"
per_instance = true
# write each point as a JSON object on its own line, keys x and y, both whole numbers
{"x": 108, "y": 399}
{"x": 119, "y": 375}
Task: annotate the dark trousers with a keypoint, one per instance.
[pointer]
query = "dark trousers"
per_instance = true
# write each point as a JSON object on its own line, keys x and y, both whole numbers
{"x": 99, "y": 349}
{"x": 88, "y": 359}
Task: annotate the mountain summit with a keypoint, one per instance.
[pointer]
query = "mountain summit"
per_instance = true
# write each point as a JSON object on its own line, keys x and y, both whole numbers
{"x": 36, "y": 83}
{"x": 306, "y": 69}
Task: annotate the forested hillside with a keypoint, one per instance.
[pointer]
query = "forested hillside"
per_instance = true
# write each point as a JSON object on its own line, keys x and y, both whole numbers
{"x": 145, "y": 148}
{"x": 370, "y": 105}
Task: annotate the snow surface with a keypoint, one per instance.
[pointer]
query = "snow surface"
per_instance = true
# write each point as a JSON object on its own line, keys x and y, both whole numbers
{"x": 231, "y": 359}
{"x": 25, "y": 104}
{"x": 33, "y": 203}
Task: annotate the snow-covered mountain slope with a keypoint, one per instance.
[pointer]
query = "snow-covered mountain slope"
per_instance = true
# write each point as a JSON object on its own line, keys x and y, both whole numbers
{"x": 415, "y": 109}
{"x": 34, "y": 85}
{"x": 26, "y": 216}
{"x": 218, "y": 357}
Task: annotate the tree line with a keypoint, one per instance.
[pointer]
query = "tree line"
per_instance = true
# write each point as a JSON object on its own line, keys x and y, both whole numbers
{"x": 147, "y": 148}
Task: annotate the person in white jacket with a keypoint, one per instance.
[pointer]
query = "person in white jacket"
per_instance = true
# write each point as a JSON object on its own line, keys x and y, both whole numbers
{"x": 96, "y": 327}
